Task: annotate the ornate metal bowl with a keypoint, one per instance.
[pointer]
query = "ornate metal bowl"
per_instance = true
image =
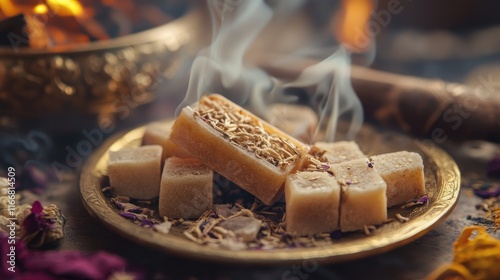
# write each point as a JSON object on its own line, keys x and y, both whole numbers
{"x": 90, "y": 78}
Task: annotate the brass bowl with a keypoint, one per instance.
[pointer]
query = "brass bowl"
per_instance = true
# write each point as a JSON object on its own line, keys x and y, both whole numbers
{"x": 90, "y": 78}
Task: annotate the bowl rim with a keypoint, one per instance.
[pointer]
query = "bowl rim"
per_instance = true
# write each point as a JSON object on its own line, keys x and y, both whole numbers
{"x": 151, "y": 35}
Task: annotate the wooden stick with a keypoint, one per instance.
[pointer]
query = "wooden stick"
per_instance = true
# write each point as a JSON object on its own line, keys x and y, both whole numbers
{"x": 429, "y": 108}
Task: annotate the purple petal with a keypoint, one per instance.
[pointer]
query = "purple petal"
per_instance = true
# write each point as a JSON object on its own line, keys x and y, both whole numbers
{"x": 147, "y": 223}
{"x": 37, "y": 176}
{"x": 137, "y": 210}
{"x": 493, "y": 191}
{"x": 45, "y": 265}
{"x": 37, "y": 207}
{"x": 35, "y": 221}
{"x": 129, "y": 216}
{"x": 423, "y": 199}
{"x": 119, "y": 205}
{"x": 32, "y": 223}
{"x": 75, "y": 265}
{"x": 34, "y": 275}
{"x": 493, "y": 168}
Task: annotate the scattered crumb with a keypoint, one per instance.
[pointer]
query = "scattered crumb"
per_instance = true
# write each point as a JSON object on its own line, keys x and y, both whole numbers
{"x": 163, "y": 227}
{"x": 402, "y": 218}
{"x": 369, "y": 230}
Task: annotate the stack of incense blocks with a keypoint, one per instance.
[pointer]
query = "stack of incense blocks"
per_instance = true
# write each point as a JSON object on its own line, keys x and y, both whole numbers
{"x": 327, "y": 186}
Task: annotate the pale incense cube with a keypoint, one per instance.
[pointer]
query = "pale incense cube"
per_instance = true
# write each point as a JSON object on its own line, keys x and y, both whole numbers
{"x": 312, "y": 203}
{"x": 340, "y": 151}
{"x": 186, "y": 188}
{"x": 404, "y": 174}
{"x": 135, "y": 172}
{"x": 298, "y": 121}
{"x": 363, "y": 201}
{"x": 158, "y": 133}
{"x": 212, "y": 147}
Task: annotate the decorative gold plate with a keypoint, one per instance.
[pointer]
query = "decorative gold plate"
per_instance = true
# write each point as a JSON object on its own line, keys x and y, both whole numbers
{"x": 442, "y": 183}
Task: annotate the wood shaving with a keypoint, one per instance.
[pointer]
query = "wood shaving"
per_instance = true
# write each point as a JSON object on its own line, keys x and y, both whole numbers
{"x": 271, "y": 236}
{"x": 369, "y": 230}
{"x": 247, "y": 132}
{"x": 402, "y": 218}
{"x": 492, "y": 208}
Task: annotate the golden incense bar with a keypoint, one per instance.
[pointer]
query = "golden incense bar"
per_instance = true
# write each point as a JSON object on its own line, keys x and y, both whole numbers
{"x": 240, "y": 146}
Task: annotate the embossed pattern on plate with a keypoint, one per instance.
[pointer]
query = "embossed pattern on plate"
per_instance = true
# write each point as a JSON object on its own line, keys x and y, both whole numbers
{"x": 442, "y": 183}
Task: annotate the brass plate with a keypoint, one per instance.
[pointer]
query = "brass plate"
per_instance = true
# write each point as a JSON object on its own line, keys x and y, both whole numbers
{"x": 442, "y": 183}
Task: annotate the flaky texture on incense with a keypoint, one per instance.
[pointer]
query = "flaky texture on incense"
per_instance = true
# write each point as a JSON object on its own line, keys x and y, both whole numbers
{"x": 404, "y": 174}
{"x": 312, "y": 203}
{"x": 240, "y": 146}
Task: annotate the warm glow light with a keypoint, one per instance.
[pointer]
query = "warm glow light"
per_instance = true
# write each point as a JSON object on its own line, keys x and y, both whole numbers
{"x": 10, "y": 9}
{"x": 352, "y": 25}
{"x": 65, "y": 7}
{"x": 57, "y": 7}
{"x": 40, "y": 9}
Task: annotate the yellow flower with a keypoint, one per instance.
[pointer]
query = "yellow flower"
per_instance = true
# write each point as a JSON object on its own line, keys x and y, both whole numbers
{"x": 476, "y": 257}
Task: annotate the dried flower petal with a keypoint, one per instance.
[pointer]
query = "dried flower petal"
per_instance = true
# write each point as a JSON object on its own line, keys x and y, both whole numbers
{"x": 33, "y": 222}
{"x": 492, "y": 191}
{"x": 61, "y": 264}
{"x": 43, "y": 225}
{"x": 493, "y": 168}
{"x": 37, "y": 207}
{"x": 35, "y": 177}
{"x": 137, "y": 210}
{"x": 423, "y": 199}
{"x": 75, "y": 265}
{"x": 325, "y": 166}
{"x": 129, "y": 216}
{"x": 147, "y": 223}
{"x": 476, "y": 256}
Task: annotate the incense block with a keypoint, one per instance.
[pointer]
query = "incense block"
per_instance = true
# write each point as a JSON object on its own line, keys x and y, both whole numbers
{"x": 296, "y": 120}
{"x": 341, "y": 151}
{"x": 312, "y": 203}
{"x": 404, "y": 174}
{"x": 363, "y": 195}
{"x": 135, "y": 172}
{"x": 158, "y": 133}
{"x": 240, "y": 146}
{"x": 186, "y": 188}
{"x": 246, "y": 228}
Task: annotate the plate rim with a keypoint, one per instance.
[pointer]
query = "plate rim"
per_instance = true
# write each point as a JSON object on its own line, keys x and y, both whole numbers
{"x": 99, "y": 207}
